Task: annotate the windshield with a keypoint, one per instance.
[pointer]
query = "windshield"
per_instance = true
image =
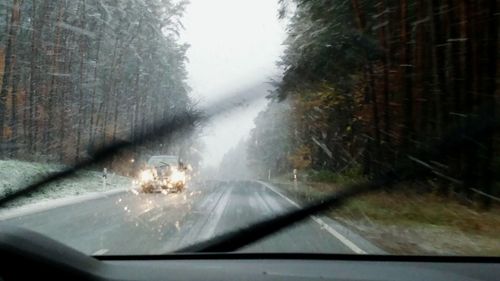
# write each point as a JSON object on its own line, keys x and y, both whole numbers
{"x": 261, "y": 108}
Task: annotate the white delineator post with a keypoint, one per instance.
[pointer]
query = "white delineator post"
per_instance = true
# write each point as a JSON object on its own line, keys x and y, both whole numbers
{"x": 104, "y": 177}
{"x": 295, "y": 186}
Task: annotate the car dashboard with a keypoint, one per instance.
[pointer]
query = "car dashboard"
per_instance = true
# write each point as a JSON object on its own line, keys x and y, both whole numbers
{"x": 294, "y": 267}
{"x": 27, "y": 254}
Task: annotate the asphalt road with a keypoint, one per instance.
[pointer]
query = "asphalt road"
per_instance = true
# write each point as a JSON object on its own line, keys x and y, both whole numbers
{"x": 137, "y": 223}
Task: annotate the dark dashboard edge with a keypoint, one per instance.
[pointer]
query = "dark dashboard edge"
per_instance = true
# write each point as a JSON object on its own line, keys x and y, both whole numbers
{"x": 303, "y": 256}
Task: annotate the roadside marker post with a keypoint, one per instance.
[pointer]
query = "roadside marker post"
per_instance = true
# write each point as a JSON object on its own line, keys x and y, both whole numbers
{"x": 104, "y": 177}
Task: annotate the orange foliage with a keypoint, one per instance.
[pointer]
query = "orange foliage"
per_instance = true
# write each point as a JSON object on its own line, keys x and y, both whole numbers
{"x": 301, "y": 158}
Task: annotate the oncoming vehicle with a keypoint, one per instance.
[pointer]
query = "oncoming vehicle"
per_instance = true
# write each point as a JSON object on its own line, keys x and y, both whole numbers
{"x": 163, "y": 173}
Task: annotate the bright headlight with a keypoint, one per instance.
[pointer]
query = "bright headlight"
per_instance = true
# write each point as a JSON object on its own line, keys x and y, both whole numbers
{"x": 177, "y": 176}
{"x": 146, "y": 176}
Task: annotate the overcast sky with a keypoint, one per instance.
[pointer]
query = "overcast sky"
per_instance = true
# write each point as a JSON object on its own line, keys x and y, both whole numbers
{"x": 235, "y": 45}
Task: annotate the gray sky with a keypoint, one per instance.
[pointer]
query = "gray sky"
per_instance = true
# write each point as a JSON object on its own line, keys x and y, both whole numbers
{"x": 235, "y": 45}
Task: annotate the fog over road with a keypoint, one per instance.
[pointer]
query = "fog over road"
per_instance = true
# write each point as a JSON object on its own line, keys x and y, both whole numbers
{"x": 138, "y": 223}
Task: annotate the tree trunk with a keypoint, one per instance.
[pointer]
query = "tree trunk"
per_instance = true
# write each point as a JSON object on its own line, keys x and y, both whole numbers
{"x": 490, "y": 79}
{"x": 375, "y": 112}
{"x": 468, "y": 152}
{"x": 406, "y": 63}
{"x": 133, "y": 125}
{"x": 10, "y": 54}
{"x": 360, "y": 18}
{"x": 80, "y": 116}
{"x": 32, "y": 85}
{"x": 64, "y": 110}
{"x": 52, "y": 91}
{"x": 115, "y": 114}
{"x": 93, "y": 127}
{"x": 439, "y": 57}
{"x": 426, "y": 124}
{"x": 386, "y": 65}
{"x": 13, "y": 108}
{"x": 109, "y": 93}
{"x": 34, "y": 98}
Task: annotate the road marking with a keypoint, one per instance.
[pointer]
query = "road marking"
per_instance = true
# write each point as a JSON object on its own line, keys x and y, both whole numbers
{"x": 38, "y": 207}
{"x": 100, "y": 252}
{"x": 339, "y": 236}
{"x": 264, "y": 206}
{"x": 322, "y": 223}
{"x": 279, "y": 193}
{"x": 146, "y": 211}
{"x": 216, "y": 214}
{"x": 156, "y": 217}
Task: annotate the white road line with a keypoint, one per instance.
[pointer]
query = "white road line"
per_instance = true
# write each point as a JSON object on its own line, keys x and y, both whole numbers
{"x": 280, "y": 194}
{"x": 100, "y": 252}
{"x": 322, "y": 223}
{"x": 263, "y": 205}
{"x": 146, "y": 211}
{"x": 216, "y": 214}
{"x": 339, "y": 236}
{"x": 37, "y": 207}
{"x": 159, "y": 215}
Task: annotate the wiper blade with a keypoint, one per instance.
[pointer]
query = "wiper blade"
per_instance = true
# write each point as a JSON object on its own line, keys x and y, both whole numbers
{"x": 242, "y": 237}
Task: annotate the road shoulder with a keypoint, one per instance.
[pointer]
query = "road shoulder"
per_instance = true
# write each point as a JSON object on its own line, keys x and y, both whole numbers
{"x": 55, "y": 203}
{"x": 347, "y": 237}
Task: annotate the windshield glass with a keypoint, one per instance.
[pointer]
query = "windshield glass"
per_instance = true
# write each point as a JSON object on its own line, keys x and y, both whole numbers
{"x": 249, "y": 109}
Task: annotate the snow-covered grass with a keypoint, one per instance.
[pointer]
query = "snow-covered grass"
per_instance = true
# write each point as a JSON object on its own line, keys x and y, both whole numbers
{"x": 17, "y": 174}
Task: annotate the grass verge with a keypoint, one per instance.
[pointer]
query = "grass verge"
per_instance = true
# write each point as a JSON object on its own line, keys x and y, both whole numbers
{"x": 403, "y": 223}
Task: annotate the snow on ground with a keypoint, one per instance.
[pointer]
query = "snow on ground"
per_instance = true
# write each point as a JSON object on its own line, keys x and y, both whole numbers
{"x": 17, "y": 174}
